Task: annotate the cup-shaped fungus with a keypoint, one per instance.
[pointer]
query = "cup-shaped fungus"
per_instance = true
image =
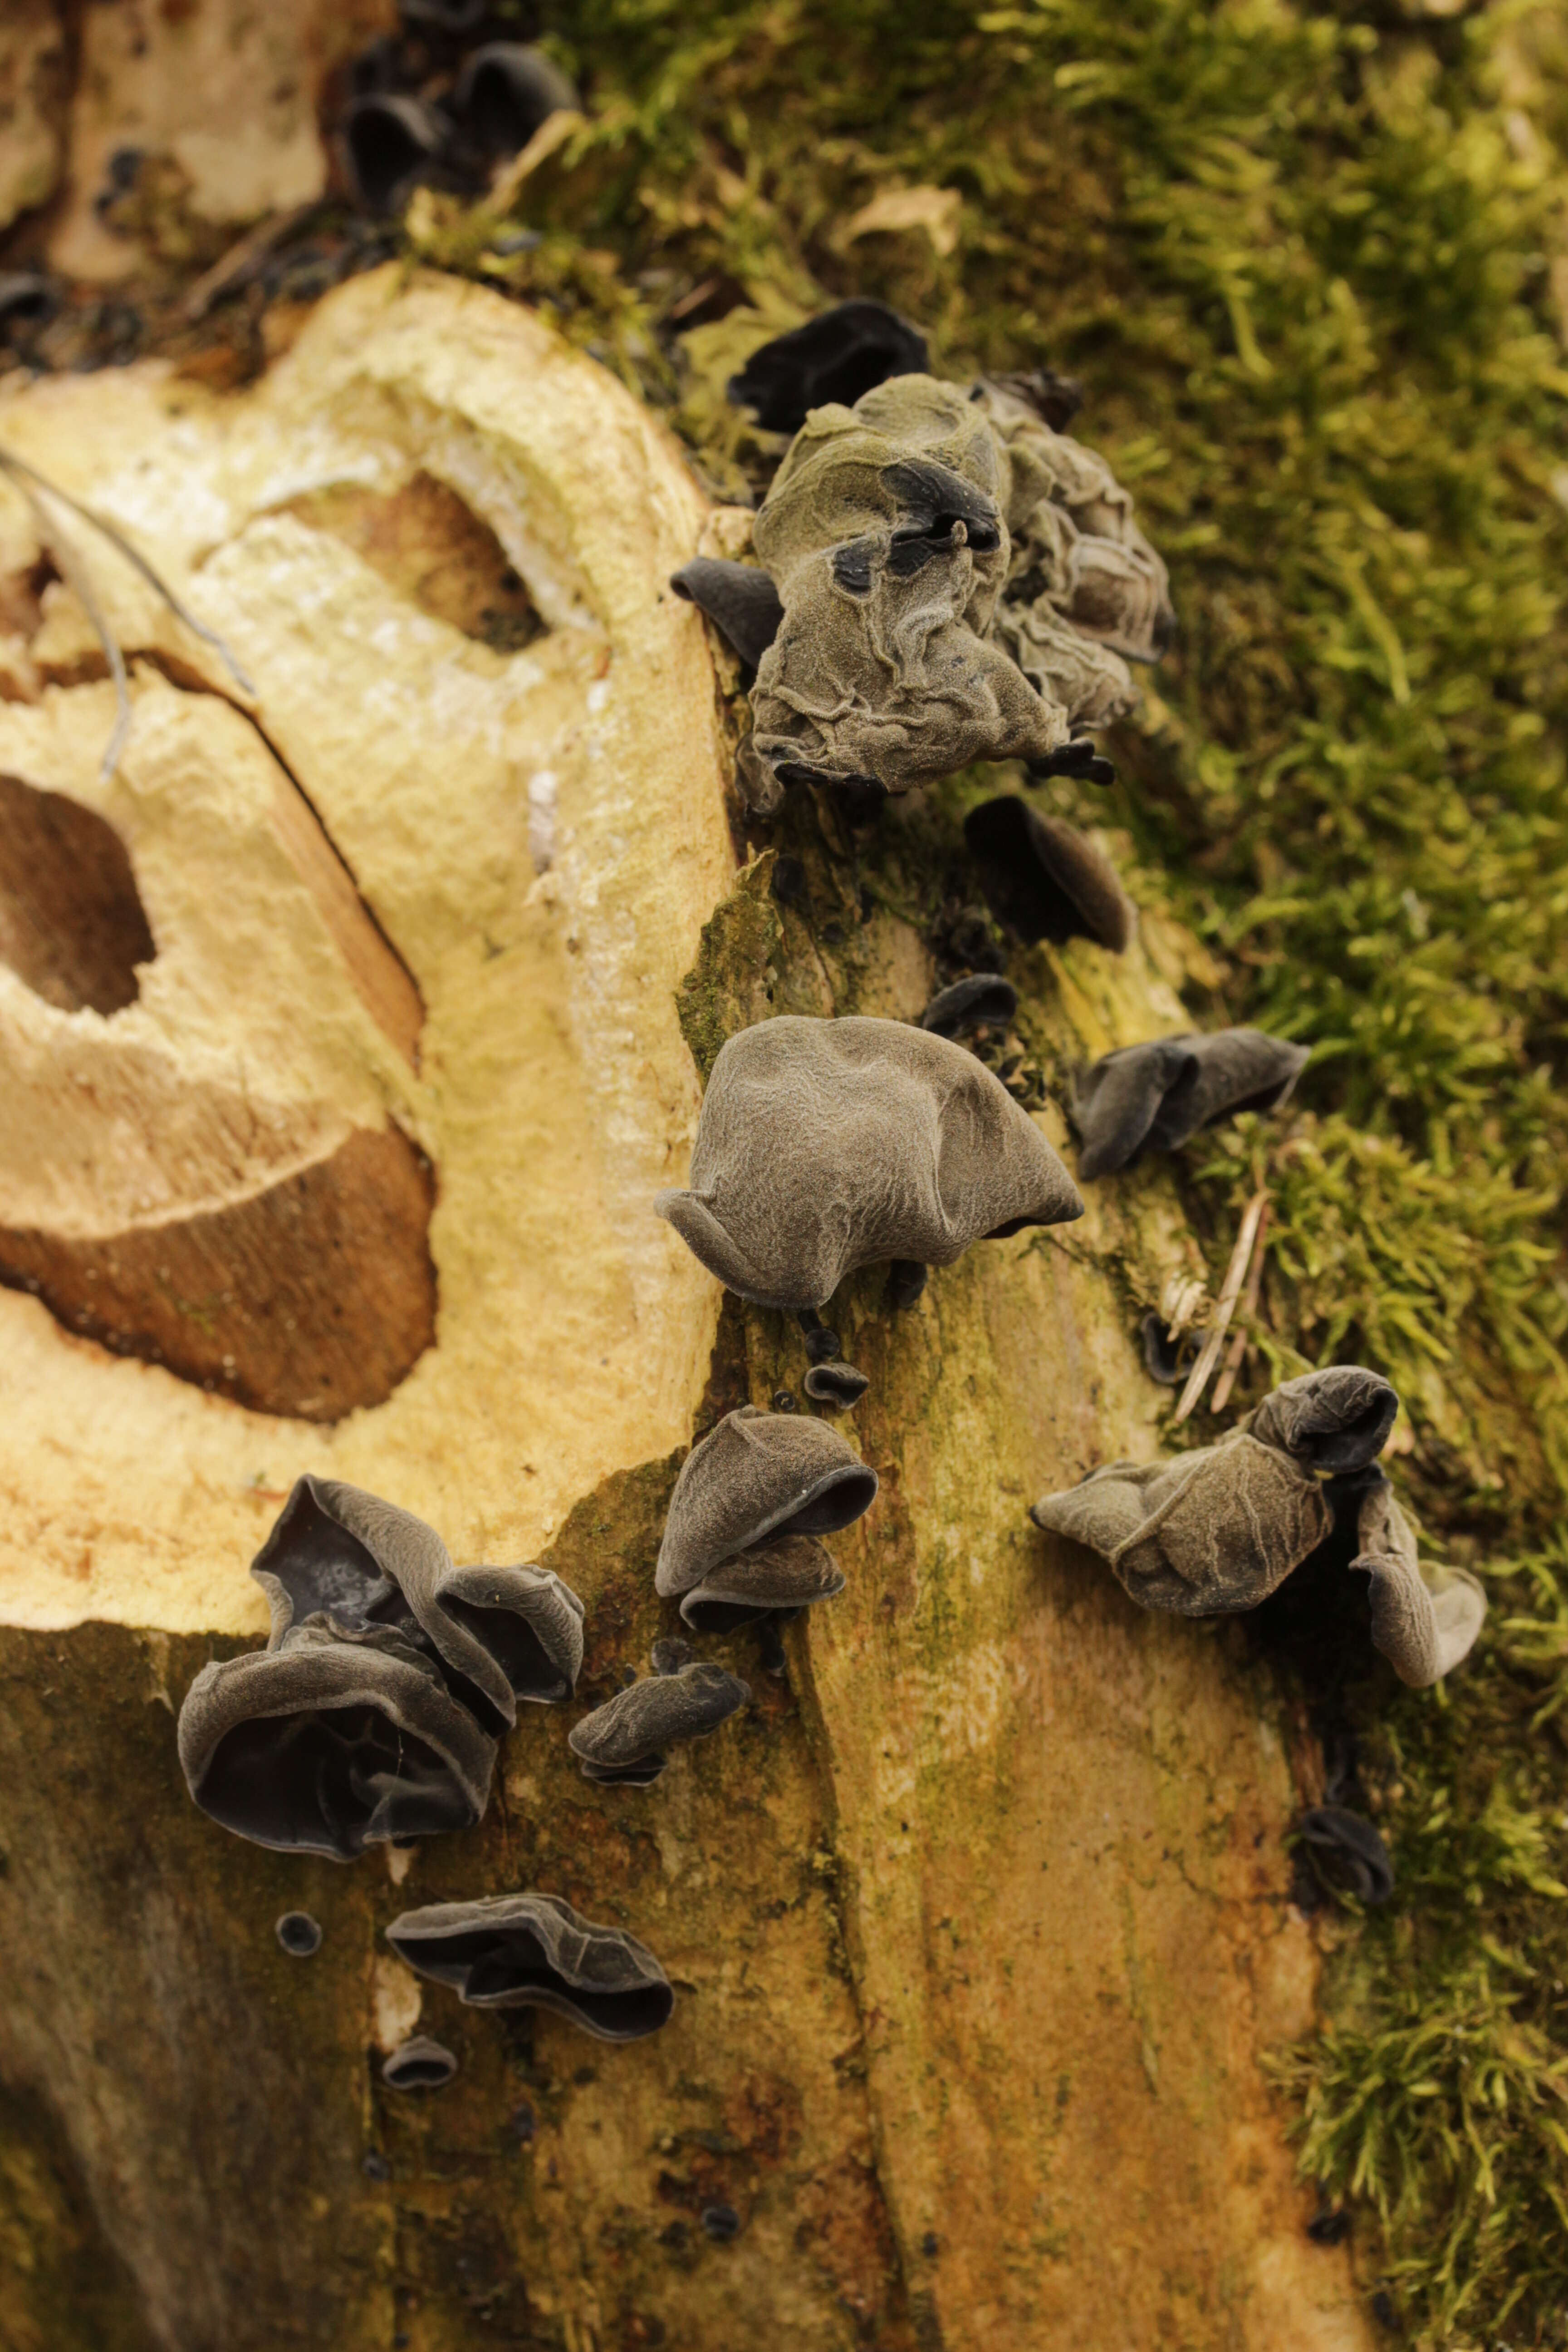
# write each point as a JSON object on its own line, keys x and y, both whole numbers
{"x": 374, "y": 1711}
{"x": 1043, "y": 878}
{"x": 739, "y": 599}
{"x": 419, "y": 2064}
{"x": 775, "y": 1579}
{"x": 835, "y": 356}
{"x": 827, "y": 1145}
{"x": 513, "y": 1951}
{"x": 835, "y": 1384}
{"x": 1152, "y": 1098}
{"x": 623, "y": 1742}
{"x": 758, "y": 1475}
{"x": 299, "y": 1934}
{"x": 1346, "y": 1853}
{"x": 1216, "y": 1531}
{"x": 390, "y": 144}
{"x": 983, "y": 1000}
{"x": 506, "y": 91}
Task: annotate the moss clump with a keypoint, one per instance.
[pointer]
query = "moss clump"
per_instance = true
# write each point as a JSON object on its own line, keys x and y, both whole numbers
{"x": 1300, "y": 262}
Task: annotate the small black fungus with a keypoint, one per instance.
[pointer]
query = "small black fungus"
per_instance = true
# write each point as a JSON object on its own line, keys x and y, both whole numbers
{"x": 983, "y": 1000}
{"x": 785, "y": 1400}
{"x": 375, "y": 2166}
{"x": 906, "y": 1283}
{"x": 300, "y": 1935}
{"x": 741, "y": 600}
{"x": 622, "y": 1742}
{"x": 837, "y": 1385}
{"x": 1152, "y": 1098}
{"x": 669, "y": 1655}
{"x": 1165, "y": 1359}
{"x": 390, "y": 144}
{"x": 1330, "y": 2228}
{"x": 1383, "y": 2309}
{"x": 534, "y": 1950}
{"x": 821, "y": 1343}
{"x": 419, "y": 2066}
{"x": 506, "y": 91}
{"x": 1347, "y": 1853}
{"x": 1044, "y": 879}
{"x": 523, "y": 2125}
{"x": 1078, "y": 759}
{"x": 789, "y": 884}
{"x": 931, "y": 2245}
{"x": 27, "y": 299}
{"x": 838, "y": 356}
{"x": 1056, "y": 399}
{"x": 721, "y": 2222}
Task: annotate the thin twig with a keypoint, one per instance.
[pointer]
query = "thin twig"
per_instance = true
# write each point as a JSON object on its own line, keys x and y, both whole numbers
{"x": 240, "y": 259}
{"x": 1240, "y": 1345}
{"x": 1197, "y": 1380}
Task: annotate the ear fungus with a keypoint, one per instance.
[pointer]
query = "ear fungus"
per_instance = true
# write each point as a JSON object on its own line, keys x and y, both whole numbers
{"x": 777, "y": 1579}
{"x": 374, "y": 1711}
{"x": 738, "y": 599}
{"x": 1337, "y": 1419}
{"x": 299, "y": 1935}
{"x": 622, "y": 1741}
{"x": 506, "y": 91}
{"x": 756, "y": 1476}
{"x": 420, "y": 2064}
{"x": 532, "y": 1950}
{"x": 1042, "y": 879}
{"x": 1153, "y": 1097}
{"x": 389, "y": 144}
{"x": 1423, "y": 1620}
{"x": 983, "y": 1000}
{"x": 1346, "y": 1853}
{"x": 835, "y": 1384}
{"x": 827, "y": 1145}
{"x": 835, "y": 356}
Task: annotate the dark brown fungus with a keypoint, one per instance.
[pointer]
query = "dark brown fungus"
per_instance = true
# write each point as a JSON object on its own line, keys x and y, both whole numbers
{"x": 419, "y": 2066}
{"x": 827, "y": 1145}
{"x": 534, "y": 1950}
{"x": 299, "y": 1934}
{"x": 758, "y": 1475}
{"x": 983, "y": 1001}
{"x": 835, "y": 356}
{"x": 836, "y": 1385}
{"x": 775, "y": 1579}
{"x": 506, "y": 91}
{"x": 739, "y": 599}
{"x": 1045, "y": 880}
{"x": 1167, "y": 1360}
{"x": 391, "y": 144}
{"x": 669, "y": 1655}
{"x": 906, "y": 1283}
{"x": 622, "y": 1741}
{"x": 26, "y": 300}
{"x": 1152, "y": 1098}
{"x": 1216, "y": 1531}
{"x": 1346, "y": 1853}
{"x": 721, "y": 2222}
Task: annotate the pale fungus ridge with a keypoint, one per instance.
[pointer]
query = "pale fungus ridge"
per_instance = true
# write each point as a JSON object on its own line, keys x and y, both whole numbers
{"x": 374, "y": 1709}
{"x": 419, "y": 2064}
{"x": 1044, "y": 878}
{"x": 534, "y": 1951}
{"x": 827, "y": 1145}
{"x": 1216, "y": 1531}
{"x": 622, "y": 1743}
{"x": 1152, "y": 1098}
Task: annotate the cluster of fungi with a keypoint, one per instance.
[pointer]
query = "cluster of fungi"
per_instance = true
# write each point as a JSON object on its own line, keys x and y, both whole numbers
{"x": 942, "y": 575}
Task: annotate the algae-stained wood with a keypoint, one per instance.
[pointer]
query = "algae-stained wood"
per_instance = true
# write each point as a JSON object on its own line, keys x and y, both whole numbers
{"x": 977, "y": 1916}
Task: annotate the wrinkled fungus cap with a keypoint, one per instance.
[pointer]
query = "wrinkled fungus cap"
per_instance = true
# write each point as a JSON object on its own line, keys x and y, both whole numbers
{"x": 835, "y": 356}
{"x": 635, "y": 1727}
{"x": 510, "y": 1951}
{"x": 1153, "y": 1097}
{"x": 776, "y": 1579}
{"x": 827, "y": 1145}
{"x": 755, "y": 1476}
{"x": 1045, "y": 880}
{"x": 1336, "y": 1419}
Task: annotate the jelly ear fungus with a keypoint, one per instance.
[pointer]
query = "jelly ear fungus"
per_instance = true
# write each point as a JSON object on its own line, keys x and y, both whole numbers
{"x": 534, "y": 1951}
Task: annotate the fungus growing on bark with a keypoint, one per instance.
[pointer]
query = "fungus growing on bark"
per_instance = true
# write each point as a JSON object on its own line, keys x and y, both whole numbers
{"x": 835, "y": 1384}
{"x": 390, "y": 144}
{"x": 739, "y": 599}
{"x": 1152, "y": 1098}
{"x": 982, "y": 1001}
{"x": 775, "y": 1580}
{"x": 505, "y": 92}
{"x": 1045, "y": 880}
{"x": 669, "y": 1655}
{"x": 827, "y": 1145}
{"x": 510, "y": 1951}
{"x": 299, "y": 1934}
{"x": 720, "y": 2222}
{"x": 622, "y": 1743}
{"x": 1216, "y": 1531}
{"x": 835, "y": 356}
{"x": 754, "y": 1476}
{"x": 1346, "y": 1853}
{"x": 372, "y": 1712}
{"x": 420, "y": 2064}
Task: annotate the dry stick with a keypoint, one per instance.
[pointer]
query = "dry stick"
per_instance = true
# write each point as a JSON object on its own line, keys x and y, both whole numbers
{"x": 1238, "y": 1346}
{"x": 1197, "y": 1380}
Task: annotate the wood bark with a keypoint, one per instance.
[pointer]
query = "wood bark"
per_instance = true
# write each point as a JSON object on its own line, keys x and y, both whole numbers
{"x": 978, "y": 1917}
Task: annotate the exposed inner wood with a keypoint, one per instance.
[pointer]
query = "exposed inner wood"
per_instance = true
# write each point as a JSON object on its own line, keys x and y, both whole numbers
{"x": 310, "y": 1299}
{"x": 72, "y": 922}
{"x": 426, "y": 541}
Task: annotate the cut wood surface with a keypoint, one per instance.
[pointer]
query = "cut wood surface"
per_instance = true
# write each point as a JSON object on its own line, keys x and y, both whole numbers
{"x": 978, "y": 1917}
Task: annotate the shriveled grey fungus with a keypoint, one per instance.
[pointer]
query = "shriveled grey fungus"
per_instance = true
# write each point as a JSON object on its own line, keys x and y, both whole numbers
{"x": 510, "y": 1951}
{"x": 1045, "y": 880}
{"x": 506, "y": 91}
{"x": 777, "y": 1579}
{"x": 669, "y": 1655}
{"x": 983, "y": 1000}
{"x": 836, "y": 1385}
{"x": 390, "y": 144}
{"x": 827, "y": 1145}
{"x": 739, "y": 599}
{"x": 1216, "y": 1531}
{"x": 1152, "y": 1098}
{"x": 420, "y": 2064}
{"x": 1346, "y": 1853}
{"x": 372, "y": 1713}
{"x": 754, "y": 1476}
{"x": 623, "y": 1742}
{"x": 299, "y": 1934}
{"x": 959, "y": 582}
{"x": 835, "y": 356}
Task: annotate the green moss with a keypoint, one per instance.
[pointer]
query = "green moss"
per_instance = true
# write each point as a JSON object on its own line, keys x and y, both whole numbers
{"x": 1301, "y": 263}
